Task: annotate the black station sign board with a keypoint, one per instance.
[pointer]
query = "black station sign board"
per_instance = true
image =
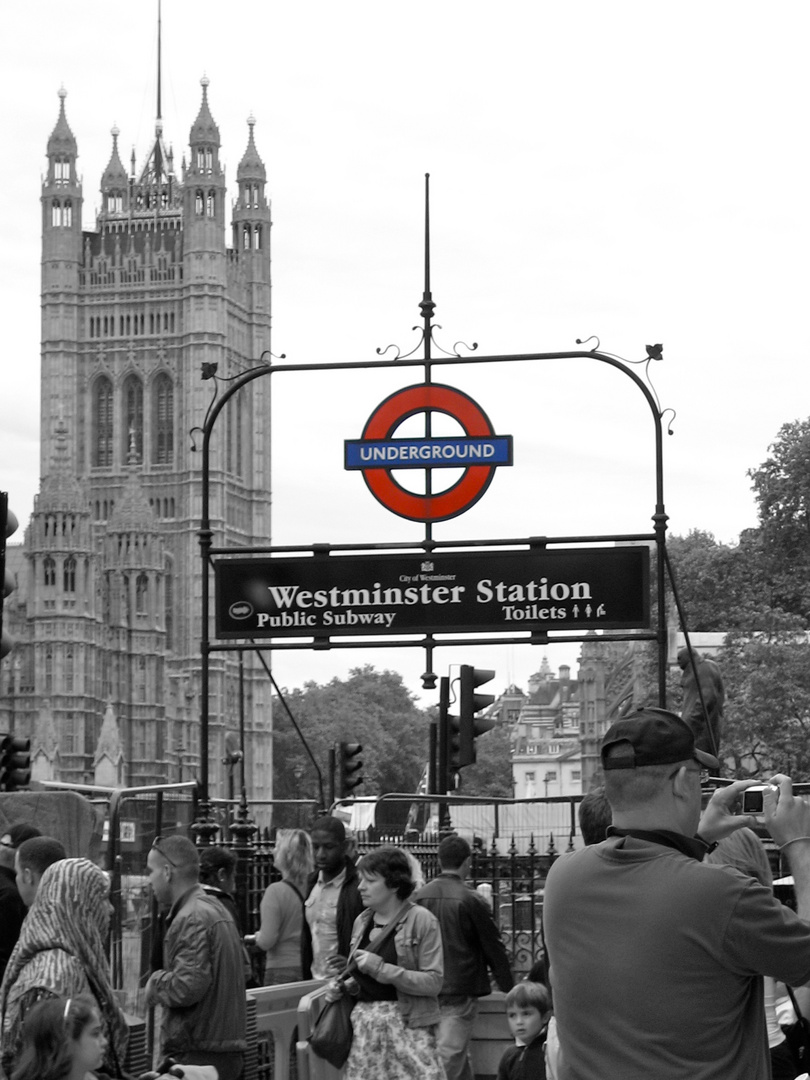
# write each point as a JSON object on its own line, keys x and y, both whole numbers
{"x": 465, "y": 592}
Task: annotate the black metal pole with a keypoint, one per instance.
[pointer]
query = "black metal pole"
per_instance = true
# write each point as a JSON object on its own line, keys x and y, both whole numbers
{"x": 206, "y": 828}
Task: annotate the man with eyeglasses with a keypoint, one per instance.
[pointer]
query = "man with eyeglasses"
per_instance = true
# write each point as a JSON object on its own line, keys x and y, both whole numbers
{"x": 655, "y": 960}
{"x": 201, "y": 985}
{"x": 12, "y": 907}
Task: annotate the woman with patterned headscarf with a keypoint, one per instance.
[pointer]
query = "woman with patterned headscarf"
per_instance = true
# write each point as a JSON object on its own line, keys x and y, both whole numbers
{"x": 61, "y": 953}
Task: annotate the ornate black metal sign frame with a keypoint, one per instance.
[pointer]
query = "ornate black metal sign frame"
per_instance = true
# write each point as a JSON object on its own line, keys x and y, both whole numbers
{"x": 536, "y": 627}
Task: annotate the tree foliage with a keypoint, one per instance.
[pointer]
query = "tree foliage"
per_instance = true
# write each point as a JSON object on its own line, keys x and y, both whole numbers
{"x": 371, "y": 707}
{"x": 767, "y": 726}
{"x": 491, "y": 775}
{"x": 782, "y": 488}
{"x": 758, "y": 593}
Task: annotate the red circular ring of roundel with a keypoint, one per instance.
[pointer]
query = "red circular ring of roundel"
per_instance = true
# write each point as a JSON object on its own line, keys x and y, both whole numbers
{"x": 390, "y": 413}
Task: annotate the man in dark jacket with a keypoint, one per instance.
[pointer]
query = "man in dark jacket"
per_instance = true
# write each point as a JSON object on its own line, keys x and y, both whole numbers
{"x": 201, "y": 984}
{"x": 332, "y": 901}
{"x": 12, "y": 907}
{"x": 471, "y": 945}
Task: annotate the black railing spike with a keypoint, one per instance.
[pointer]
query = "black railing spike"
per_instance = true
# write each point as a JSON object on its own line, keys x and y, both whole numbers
{"x": 513, "y": 850}
{"x": 570, "y": 841}
{"x": 532, "y": 850}
{"x": 552, "y": 849}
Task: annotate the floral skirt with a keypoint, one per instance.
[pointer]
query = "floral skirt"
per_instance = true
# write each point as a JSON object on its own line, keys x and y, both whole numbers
{"x": 384, "y": 1047}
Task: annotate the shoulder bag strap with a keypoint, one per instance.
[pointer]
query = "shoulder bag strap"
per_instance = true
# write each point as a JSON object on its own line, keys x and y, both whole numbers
{"x": 294, "y": 888}
{"x": 379, "y": 943}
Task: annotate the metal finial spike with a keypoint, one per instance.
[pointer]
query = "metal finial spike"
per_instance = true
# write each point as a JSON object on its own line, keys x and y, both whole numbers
{"x": 427, "y": 306}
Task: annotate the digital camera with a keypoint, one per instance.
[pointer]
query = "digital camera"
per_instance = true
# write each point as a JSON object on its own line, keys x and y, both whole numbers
{"x": 752, "y": 799}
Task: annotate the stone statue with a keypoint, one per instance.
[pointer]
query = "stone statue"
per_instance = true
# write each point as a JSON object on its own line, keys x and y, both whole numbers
{"x": 706, "y": 725}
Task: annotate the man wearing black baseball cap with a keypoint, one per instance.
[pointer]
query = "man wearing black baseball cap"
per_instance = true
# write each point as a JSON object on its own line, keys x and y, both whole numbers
{"x": 655, "y": 959}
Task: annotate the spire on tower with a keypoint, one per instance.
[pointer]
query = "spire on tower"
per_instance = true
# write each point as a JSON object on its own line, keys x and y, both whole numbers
{"x": 62, "y": 140}
{"x": 251, "y": 167}
{"x": 204, "y": 130}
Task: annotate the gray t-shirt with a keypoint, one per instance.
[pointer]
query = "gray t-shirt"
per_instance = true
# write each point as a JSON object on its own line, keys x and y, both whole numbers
{"x": 656, "y": 963}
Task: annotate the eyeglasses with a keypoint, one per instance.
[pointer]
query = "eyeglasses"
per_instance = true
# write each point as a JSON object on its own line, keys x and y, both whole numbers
{"x": 702, "y": 773}
{"x": 156, "y": 847}
{"x": 8, "y": 844}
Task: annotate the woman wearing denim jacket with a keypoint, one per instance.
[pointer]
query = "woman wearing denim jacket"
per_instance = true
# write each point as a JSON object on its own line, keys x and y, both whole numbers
{"x": 396, "y": 990}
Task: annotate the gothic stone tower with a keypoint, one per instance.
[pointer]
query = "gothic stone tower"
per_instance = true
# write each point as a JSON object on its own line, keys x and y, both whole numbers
{"x": 108, "y": 614}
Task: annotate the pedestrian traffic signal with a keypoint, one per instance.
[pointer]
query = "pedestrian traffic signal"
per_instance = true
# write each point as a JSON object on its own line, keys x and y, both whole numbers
{"x": 349, "y": 766}
{"x": 15, "y": 763}
{"x": 8, "y": 526}
{"x": 470, "y": 704}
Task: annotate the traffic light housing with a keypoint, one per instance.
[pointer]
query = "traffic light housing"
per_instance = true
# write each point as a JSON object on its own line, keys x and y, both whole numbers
{"x": 470, "y": 704}
{"x": 349, "y": 766}
{"x": 15, "y": 763}
{"x": 8, "y": 526}
{"x": 454, "y": 759}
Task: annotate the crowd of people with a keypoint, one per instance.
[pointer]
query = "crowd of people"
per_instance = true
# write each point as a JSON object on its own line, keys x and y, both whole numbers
{"x": 665, "y": 950}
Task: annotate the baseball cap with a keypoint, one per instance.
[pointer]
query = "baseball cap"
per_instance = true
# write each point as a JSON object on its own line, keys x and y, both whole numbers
{"x": 652, "y": 736}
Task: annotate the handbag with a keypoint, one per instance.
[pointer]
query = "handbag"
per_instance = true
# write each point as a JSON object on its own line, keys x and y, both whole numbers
{"x": 331, "y": 1038}
{"x": 798, "y": 1036}
{"x": 332, "y": 1035}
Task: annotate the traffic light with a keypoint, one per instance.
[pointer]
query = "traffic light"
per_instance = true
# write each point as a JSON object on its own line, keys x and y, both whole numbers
{"x": 349, "y": 766}
{"x": 471, "y": 703}
{"x": 454, "y": 758}
{"x": 8, "y": 526}
{"x": 15, "y": 763}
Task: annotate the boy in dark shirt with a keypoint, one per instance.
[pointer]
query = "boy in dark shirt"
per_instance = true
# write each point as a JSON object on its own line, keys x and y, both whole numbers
{"x": 528, "y": 1010}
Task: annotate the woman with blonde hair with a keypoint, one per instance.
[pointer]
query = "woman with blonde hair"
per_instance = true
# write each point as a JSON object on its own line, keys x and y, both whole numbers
{"x": 282, "y": 908}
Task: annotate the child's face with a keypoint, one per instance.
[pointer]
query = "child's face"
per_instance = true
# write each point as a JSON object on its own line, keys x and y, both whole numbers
{"x": 88, "y": 1049}
{"x": 525, "y": 1021}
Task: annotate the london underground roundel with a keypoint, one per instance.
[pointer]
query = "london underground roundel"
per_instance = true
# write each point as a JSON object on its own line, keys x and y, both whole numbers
{"x": 377, "y": 453}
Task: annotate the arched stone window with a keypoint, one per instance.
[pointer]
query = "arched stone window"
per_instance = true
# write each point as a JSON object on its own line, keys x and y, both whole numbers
{"x": 133, "y": 420}
{"x": 210, "y": 204}
{"x": 67, "y": 214}
{"x": 49, "y": 571}
{"x": 103, "y": 423}
{"x": 198, "y": 203}
{"x": 163, "y": 420}
{"x": 141, "y": 594}
{"x": 69, "y": 575}
{"x": 56, "y": 213}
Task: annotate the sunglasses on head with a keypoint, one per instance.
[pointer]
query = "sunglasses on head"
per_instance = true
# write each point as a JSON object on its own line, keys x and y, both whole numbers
{"x": 156, "y": 846}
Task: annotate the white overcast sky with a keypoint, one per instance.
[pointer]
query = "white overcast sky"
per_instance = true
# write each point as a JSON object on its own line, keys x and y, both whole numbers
{"x": 633, "y": 170}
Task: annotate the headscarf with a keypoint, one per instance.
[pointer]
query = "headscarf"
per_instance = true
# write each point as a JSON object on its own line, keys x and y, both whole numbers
{"x": 65, "y": 930}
